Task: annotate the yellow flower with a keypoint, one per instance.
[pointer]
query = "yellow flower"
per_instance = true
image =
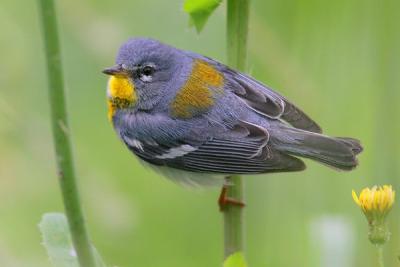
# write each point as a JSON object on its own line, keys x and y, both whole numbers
{"x": 376, "y": 202}
{"x": 378, "y": 199}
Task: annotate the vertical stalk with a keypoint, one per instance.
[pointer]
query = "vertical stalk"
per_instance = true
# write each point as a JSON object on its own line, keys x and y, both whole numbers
{"x": 233, "y": 217}
{"x": 380, "y": 255}
{"x": 237, "y": 28}
{"x": 61, "y": 136}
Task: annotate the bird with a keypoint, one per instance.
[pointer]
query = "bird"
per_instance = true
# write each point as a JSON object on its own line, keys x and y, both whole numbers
{"x": 196, "y": 120}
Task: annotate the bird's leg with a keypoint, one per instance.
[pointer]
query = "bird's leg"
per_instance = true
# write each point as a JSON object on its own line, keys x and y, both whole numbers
{"x": 224, "y": 200}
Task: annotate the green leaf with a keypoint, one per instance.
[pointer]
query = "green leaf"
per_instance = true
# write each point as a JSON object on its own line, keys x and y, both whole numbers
{"x": 235, "y": 260}
{"x": 200, "y": 11}
{"x": 98, "y": 258}
{"x": 57, "y": 241}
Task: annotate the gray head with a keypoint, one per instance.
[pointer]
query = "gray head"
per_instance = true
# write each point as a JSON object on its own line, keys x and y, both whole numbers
{"x": 143, "y": 72}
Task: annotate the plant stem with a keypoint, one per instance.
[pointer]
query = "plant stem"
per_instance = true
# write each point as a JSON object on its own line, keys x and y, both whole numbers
{"x": 61, "y": 136}
{"x": 233, "y": 217}
{"x": 237, "y": 28}
{"x": 380, "y": 255}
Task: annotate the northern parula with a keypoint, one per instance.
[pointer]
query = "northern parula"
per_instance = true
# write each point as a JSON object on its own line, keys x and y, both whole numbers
{"x": 197, "y": 120}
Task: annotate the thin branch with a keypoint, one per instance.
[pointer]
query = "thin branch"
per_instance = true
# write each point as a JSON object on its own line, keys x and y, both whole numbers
{"x": 61, "y": 135}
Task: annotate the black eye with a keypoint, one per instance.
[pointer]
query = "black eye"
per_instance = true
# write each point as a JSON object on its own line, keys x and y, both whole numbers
{"x": 146, "y": 72}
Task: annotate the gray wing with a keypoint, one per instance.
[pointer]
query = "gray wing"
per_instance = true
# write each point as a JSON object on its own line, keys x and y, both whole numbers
{"x": 267, "y": 102}
{"x": 248, "y": 152}
{"x": 264, "y": 100}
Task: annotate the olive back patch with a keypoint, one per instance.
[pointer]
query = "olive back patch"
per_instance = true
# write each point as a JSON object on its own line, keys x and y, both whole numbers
{"x": 197, "y": 94}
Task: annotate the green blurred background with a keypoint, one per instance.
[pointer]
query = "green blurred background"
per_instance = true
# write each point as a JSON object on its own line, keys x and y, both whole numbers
{"x": 338, "y": 60}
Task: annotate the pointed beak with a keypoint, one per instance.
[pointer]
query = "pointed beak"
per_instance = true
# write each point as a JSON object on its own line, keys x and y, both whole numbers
{"x": 115, "y": 70}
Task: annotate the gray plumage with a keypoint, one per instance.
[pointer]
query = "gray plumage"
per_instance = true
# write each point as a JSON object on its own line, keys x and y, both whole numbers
{"x": 250, "y": 129}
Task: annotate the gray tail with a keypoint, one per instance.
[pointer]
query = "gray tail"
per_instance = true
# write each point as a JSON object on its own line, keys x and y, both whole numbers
{"x": 337, "y": 152}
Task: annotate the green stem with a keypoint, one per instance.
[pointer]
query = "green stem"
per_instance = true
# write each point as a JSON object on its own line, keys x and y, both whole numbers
{"x": 61, "y": 136}
{"x": 237, "y": 29}
{"x": 233, "y": 217}
{"x": 380, "y": 255}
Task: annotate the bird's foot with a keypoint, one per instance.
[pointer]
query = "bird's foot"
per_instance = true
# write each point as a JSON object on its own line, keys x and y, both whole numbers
{"x": 224, "y": 201}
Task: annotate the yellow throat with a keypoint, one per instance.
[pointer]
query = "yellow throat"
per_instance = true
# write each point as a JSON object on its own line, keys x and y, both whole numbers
{"x": 121, "y": 94}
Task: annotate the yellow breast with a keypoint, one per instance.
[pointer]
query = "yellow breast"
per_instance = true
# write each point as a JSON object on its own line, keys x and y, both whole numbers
{"x": 121, "y": 94}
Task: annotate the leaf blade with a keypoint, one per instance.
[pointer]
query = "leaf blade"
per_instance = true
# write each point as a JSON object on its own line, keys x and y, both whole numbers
{"x": 57, "y": 241}
{"x": 199, "y": 11}
{"x": 235, "y": 260}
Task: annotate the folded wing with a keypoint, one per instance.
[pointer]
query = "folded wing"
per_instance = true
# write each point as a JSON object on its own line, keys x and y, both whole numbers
{"x": 248, "y": 153}
{"x": 269, "y": 103}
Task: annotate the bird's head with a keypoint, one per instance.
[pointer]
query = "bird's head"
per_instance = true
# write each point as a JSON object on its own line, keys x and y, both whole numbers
{"x": 139, "y": 80}
{"x": 148, "y": 71}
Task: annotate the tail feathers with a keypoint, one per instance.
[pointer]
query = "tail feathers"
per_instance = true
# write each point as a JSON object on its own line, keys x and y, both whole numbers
{"x": 337, "y": 152}
{"x": 353, "y": 143}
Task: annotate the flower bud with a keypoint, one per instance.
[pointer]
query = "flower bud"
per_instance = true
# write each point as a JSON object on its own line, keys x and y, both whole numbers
{"x": 376, "y": 203}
